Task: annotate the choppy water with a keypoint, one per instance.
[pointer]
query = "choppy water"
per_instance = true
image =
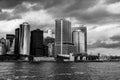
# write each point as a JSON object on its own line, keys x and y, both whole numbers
{"x": 59, "y": 71}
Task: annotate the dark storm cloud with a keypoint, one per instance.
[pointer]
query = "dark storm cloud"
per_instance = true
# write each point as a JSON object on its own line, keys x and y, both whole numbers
{"x": 13, "y": 3}
{"x": 20, "y": 9}
{"x": 4, "y": 15}
{"x": 0, "y": 10}
{"x": 67, "y": 8}
{"x": 112, "y": 1}
{"x": 9, "y": 3}
{"x": 98, "y": 16}
{"x": 78, "y": 10}
{"x": 115, "y": 38}
{"x": 80, "y": 5}
{"x": 100, "y": 44}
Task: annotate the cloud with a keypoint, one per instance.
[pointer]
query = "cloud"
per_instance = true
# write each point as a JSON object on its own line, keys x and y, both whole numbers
{"x": 12, "y": 3}
{"x": 105, "y": 51}
{"x": 9, "y": 26}
{"x": 111, "y": 1}
{"x": 39, "y": 19}
{"x": 105, "y": 44}
{"x": 80, "y": 5}
{"x": 85, "y": 11}
{"x": 114, "y": 8}
{"x": 115, "y": 38}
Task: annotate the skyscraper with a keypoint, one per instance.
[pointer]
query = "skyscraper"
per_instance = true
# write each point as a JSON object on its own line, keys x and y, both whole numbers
{"x": 63, "y": 31}
{"x": 36, "y": 44}
{"x": 79, "y": 38}
{"x": 24, "y": 38}
{"x": 63, "y": 40}
{"x": 16, "y": 45}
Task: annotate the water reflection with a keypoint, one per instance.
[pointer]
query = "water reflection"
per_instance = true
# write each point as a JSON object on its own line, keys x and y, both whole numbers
{"x": 59, "y": 71}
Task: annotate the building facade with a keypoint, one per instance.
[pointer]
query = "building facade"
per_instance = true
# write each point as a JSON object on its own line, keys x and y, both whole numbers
{"x": 24, "y": 38}
{"x": 63, "y": 37}
{"x": 79, "y": 38}
{"x": 62, "y": 31}
{"x": 10, "y": 37}
{"x": 17, "y": 44}
{"x": 36, "y": 44}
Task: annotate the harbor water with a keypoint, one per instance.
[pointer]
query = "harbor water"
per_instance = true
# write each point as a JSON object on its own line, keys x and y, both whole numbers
{"x": 60, "y": 71}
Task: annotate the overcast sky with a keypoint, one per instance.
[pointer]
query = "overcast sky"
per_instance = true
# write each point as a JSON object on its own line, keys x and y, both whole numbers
{"x": 101, "y": 17}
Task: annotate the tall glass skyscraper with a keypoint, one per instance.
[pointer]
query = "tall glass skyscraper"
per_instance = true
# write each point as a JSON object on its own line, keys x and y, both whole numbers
{"x": 63, "y": 37}
{"x": 79, "y": 38}
{"x": 24, "y": 38}
{"x": 63, "y": 31}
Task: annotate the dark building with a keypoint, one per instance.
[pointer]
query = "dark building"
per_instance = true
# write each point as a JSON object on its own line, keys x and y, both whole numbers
{"x": 16, "y": 47}
{"x": 10, "y": 37}
{"x": 45, "y": 50}
{"x": 36, "y": 44}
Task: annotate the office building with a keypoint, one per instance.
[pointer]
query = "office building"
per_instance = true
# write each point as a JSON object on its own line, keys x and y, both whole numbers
{"x": 3, "y": 46}
{"x": 12, "y": 48}
{"x": 49, "y": 41}
{"x": 2, "y": 49}
{"x": 7, "y": 45}
{"x": 62, "y": 31}
{"x": 24, "y": 38}
{"x": 50, "y": 49}
{"x": 36, "y": 44}
{"x": 10, "y": 37}
{"x": 63, "y": 40}
{"x": 79, "y": 38}
{"x": 17, "y": 43}
{"x": 66, "y": 49}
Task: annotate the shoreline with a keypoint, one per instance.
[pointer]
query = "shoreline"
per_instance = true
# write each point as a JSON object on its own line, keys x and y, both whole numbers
{"x": 61, "y": 61}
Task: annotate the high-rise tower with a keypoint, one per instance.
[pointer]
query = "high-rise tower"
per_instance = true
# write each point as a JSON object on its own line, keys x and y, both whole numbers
{"x": 36, "y": 44}
{"x": 16, "y": 45}
{"x": 24, "y": 38}
{"x": 63, "y": 40}
{"x": 79, "y": 38}
{"x": 63, "y": 31}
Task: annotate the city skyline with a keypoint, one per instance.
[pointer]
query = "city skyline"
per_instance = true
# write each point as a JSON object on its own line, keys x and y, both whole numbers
{"x": 100, "y": 17}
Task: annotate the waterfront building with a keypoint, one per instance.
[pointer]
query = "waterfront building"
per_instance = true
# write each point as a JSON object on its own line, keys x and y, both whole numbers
{"x": 24, "y": 38}
{"x": 45, "y": 50}
{"x": 49, "y": 41}
{"x": 79, "y": 38}
{"x": 7, "y": 45}
{"x": 17, "y": 42}
{"x": 50, "y": 49}
{"x": 12, "y": 48}
{"x": 3, "y": 46}
{"x": 36, "y": 44}
{"x": 62, "y": 31}
{"x": 63, "y": 40}
{"x": 10, "y": 37}
{"x": 2, "y": 40}
{"x": 67, "y": 49}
